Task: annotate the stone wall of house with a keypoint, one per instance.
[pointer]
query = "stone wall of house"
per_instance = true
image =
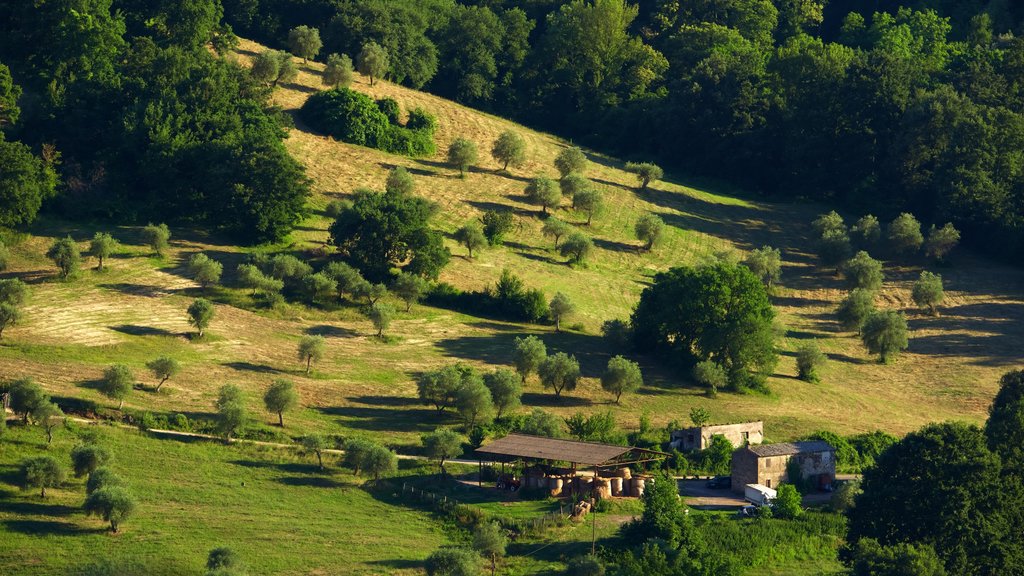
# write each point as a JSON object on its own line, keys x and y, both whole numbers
{"x": 744, "y": 469}
{"x": 699, "y": 438}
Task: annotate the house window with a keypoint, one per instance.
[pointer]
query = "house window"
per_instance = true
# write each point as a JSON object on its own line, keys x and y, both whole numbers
{"x": 746, "y": 436}
{"x": 768, "y": 482}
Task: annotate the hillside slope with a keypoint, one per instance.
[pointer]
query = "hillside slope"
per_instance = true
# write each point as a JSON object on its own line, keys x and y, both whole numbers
{"x": 135, "y": 310}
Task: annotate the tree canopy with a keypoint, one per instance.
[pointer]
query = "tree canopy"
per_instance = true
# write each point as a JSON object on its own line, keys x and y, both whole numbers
{"x": 718, "y": 312}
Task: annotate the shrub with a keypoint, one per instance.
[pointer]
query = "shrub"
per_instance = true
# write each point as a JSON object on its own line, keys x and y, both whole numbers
{"x": 355, "y": 118}
{"x": 576, "y": 247}
{"x": 496, "y": 225}
{"x": 854, "y": 310}
{"x": 453, "y": 562}
{"x": 617, "y": 334}
{"x": 645, "y": 172}
{"x": 904, "y": 234}
{"x": 885, "y": 334}
{"x": 928, "y": 292}
{"x": 710, "y": 375}
{"x": 389, "y": 107}
{"x": 809, "y": 359}
{"x": 863, "y": 271}
{"x": 787, "y": 503}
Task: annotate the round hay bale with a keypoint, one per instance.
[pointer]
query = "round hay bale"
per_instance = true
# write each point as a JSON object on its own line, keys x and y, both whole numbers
{"x": 616, "y": 486}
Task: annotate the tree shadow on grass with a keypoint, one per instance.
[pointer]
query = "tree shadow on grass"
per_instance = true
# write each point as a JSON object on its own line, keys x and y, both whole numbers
{"x": 40, "y": 508}
{"x": 136, "y": 330}
{"x": 137, "y": 289}
{"x": 329, "y": 331}
{"x": 538, "y": 258}
{"x": 615, "y": 246}
{"x": 410, "y": 169}
{"x": 385, "y": 419}
{"x": 250, "y": 367}
{"x": 394, "y": 401}
{"x": 310, "y": 481}
{"x": 398, "y": 564}
{"x": 549, "y": 400}
{"x": 590, "y": 351}
{"x": 49, "y": 528}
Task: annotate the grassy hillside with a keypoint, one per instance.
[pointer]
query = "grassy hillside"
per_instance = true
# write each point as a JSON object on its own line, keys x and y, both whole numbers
{"x": 134, "y": 311}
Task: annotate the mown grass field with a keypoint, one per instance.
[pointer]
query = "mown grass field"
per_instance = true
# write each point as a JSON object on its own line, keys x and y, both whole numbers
{"x": 134, "y": 311}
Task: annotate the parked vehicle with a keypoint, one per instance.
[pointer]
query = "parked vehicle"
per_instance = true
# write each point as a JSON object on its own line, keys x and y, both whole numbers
{"x": 759, "y": 495}
{"x": 719, "y": 482}
{"x": 747, "y": 512}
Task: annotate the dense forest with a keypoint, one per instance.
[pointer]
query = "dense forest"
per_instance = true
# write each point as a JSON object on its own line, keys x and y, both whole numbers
{"x": 883, "y": 106}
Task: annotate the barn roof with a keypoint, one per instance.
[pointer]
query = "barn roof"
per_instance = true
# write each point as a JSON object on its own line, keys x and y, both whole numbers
{"x": 786, "y": 448}
{"x": 541, "y": 448}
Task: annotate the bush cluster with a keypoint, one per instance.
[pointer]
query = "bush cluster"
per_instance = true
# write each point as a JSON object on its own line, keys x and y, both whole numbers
{"x": 355, "y": 118}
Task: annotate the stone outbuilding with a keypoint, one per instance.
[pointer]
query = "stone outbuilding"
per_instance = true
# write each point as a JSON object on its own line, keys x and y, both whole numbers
{"x": 699, "y": 437}
{"x": 767, "y": 464}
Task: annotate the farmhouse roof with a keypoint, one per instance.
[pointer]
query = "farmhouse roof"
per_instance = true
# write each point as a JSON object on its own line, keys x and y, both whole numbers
{"x": 786, "y": 448}
{"x": 541, "y": 448}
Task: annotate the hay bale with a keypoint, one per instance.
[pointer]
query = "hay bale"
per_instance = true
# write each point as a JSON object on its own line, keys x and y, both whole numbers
{"x": 638, "y": 487}
{"x": 616, "y": 486}
{"x": 555, "y": 486}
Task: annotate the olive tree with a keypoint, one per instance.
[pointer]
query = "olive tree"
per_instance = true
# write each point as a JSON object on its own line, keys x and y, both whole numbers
{"x": 381, "y": 315}
{"x": 560, "y": 307}
{"x": 590, "y": 202}
{"x": 474, "y": 404}
{"x": 279, "y": 398}
{"x": 338, "y": 72}
{"x": 231, "y": 412}
{"x": 304, "y": 42}
{"x": 5, "y": 257}
{"x": 64, "y": 253}
{"x": 25, "y": 397}
{"x": 311, "y": 349}
{"x": 490, "y": 541}
{"x": 809, "y": 359}
{"x": 509, "y": 149}
{"x": 833, "y": 247}
{"x": 272, "y": 67}
{"x": 315, "y": 444}
{"x": 117, "y": 383}
{"x": 555, "y": 228}
{"x": 114, "y": 504}
{"x": 471, "y": 236}
{"x": 462, "y": 154}
{"x": 102, "y": 477}
{"x": 379, "y": 461}
{"x": 204, "y": 270}
{"x": 86, "y": 458}
{"x": 251, "y": 277}
{"x": 10, "y": 314}
{"x": 710, "y": 375}
{"x": 41, "y": 472}
{"x": 621, "y": 376}
{"x": 399, "y": 181}
{"x": 828, "y": 222}
{"x": 506, "y": 390}
{"x": 766, "y": 263}
{"x": 867, "y": 231}
{"x": 854, "y": 310}
{"x": 571, "y": 160}
{"x": 576, "y": 247}
{"x": 157, "y": 237}
{"x": 372, "y": 61}
{"x": 649, "y": 229}
{"x": 163, "y": 369}
{"x": 573, "y": 184}
{"x": 559, "y": 372}
{"x": 200, "y": 314}
{"x": 863, "y": 271}
{"x": 527, "y": 355}
{"x": 222, "y": 561}
{"x": 441, "y": 444}
{"x": 410, "y": 288}
{"x": 928, "y": 292}
{"x": 904, "y": 234}
{"x": 645, "y": 172}
{"x": 885, "y": 333}
{"x": 542, "y": 191}
{"x": 47, "y": 415}
{"x": 101, "y": 247}
{"x": 941, "y": 241}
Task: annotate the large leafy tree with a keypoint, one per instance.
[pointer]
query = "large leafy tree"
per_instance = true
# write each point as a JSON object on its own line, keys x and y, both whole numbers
{"x": 26, "y": 180}
{"x": 590, "y": 59}
{"x": 718, "y": 312}
{"x": 917, "y": 494}
{"x": 1005, "y": 428}
{"x": 381, "y": 231}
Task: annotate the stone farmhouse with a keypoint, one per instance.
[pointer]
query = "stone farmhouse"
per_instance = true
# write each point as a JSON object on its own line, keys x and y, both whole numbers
{"x": 699, "y": 437}
{"x": 767, "y": 464}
